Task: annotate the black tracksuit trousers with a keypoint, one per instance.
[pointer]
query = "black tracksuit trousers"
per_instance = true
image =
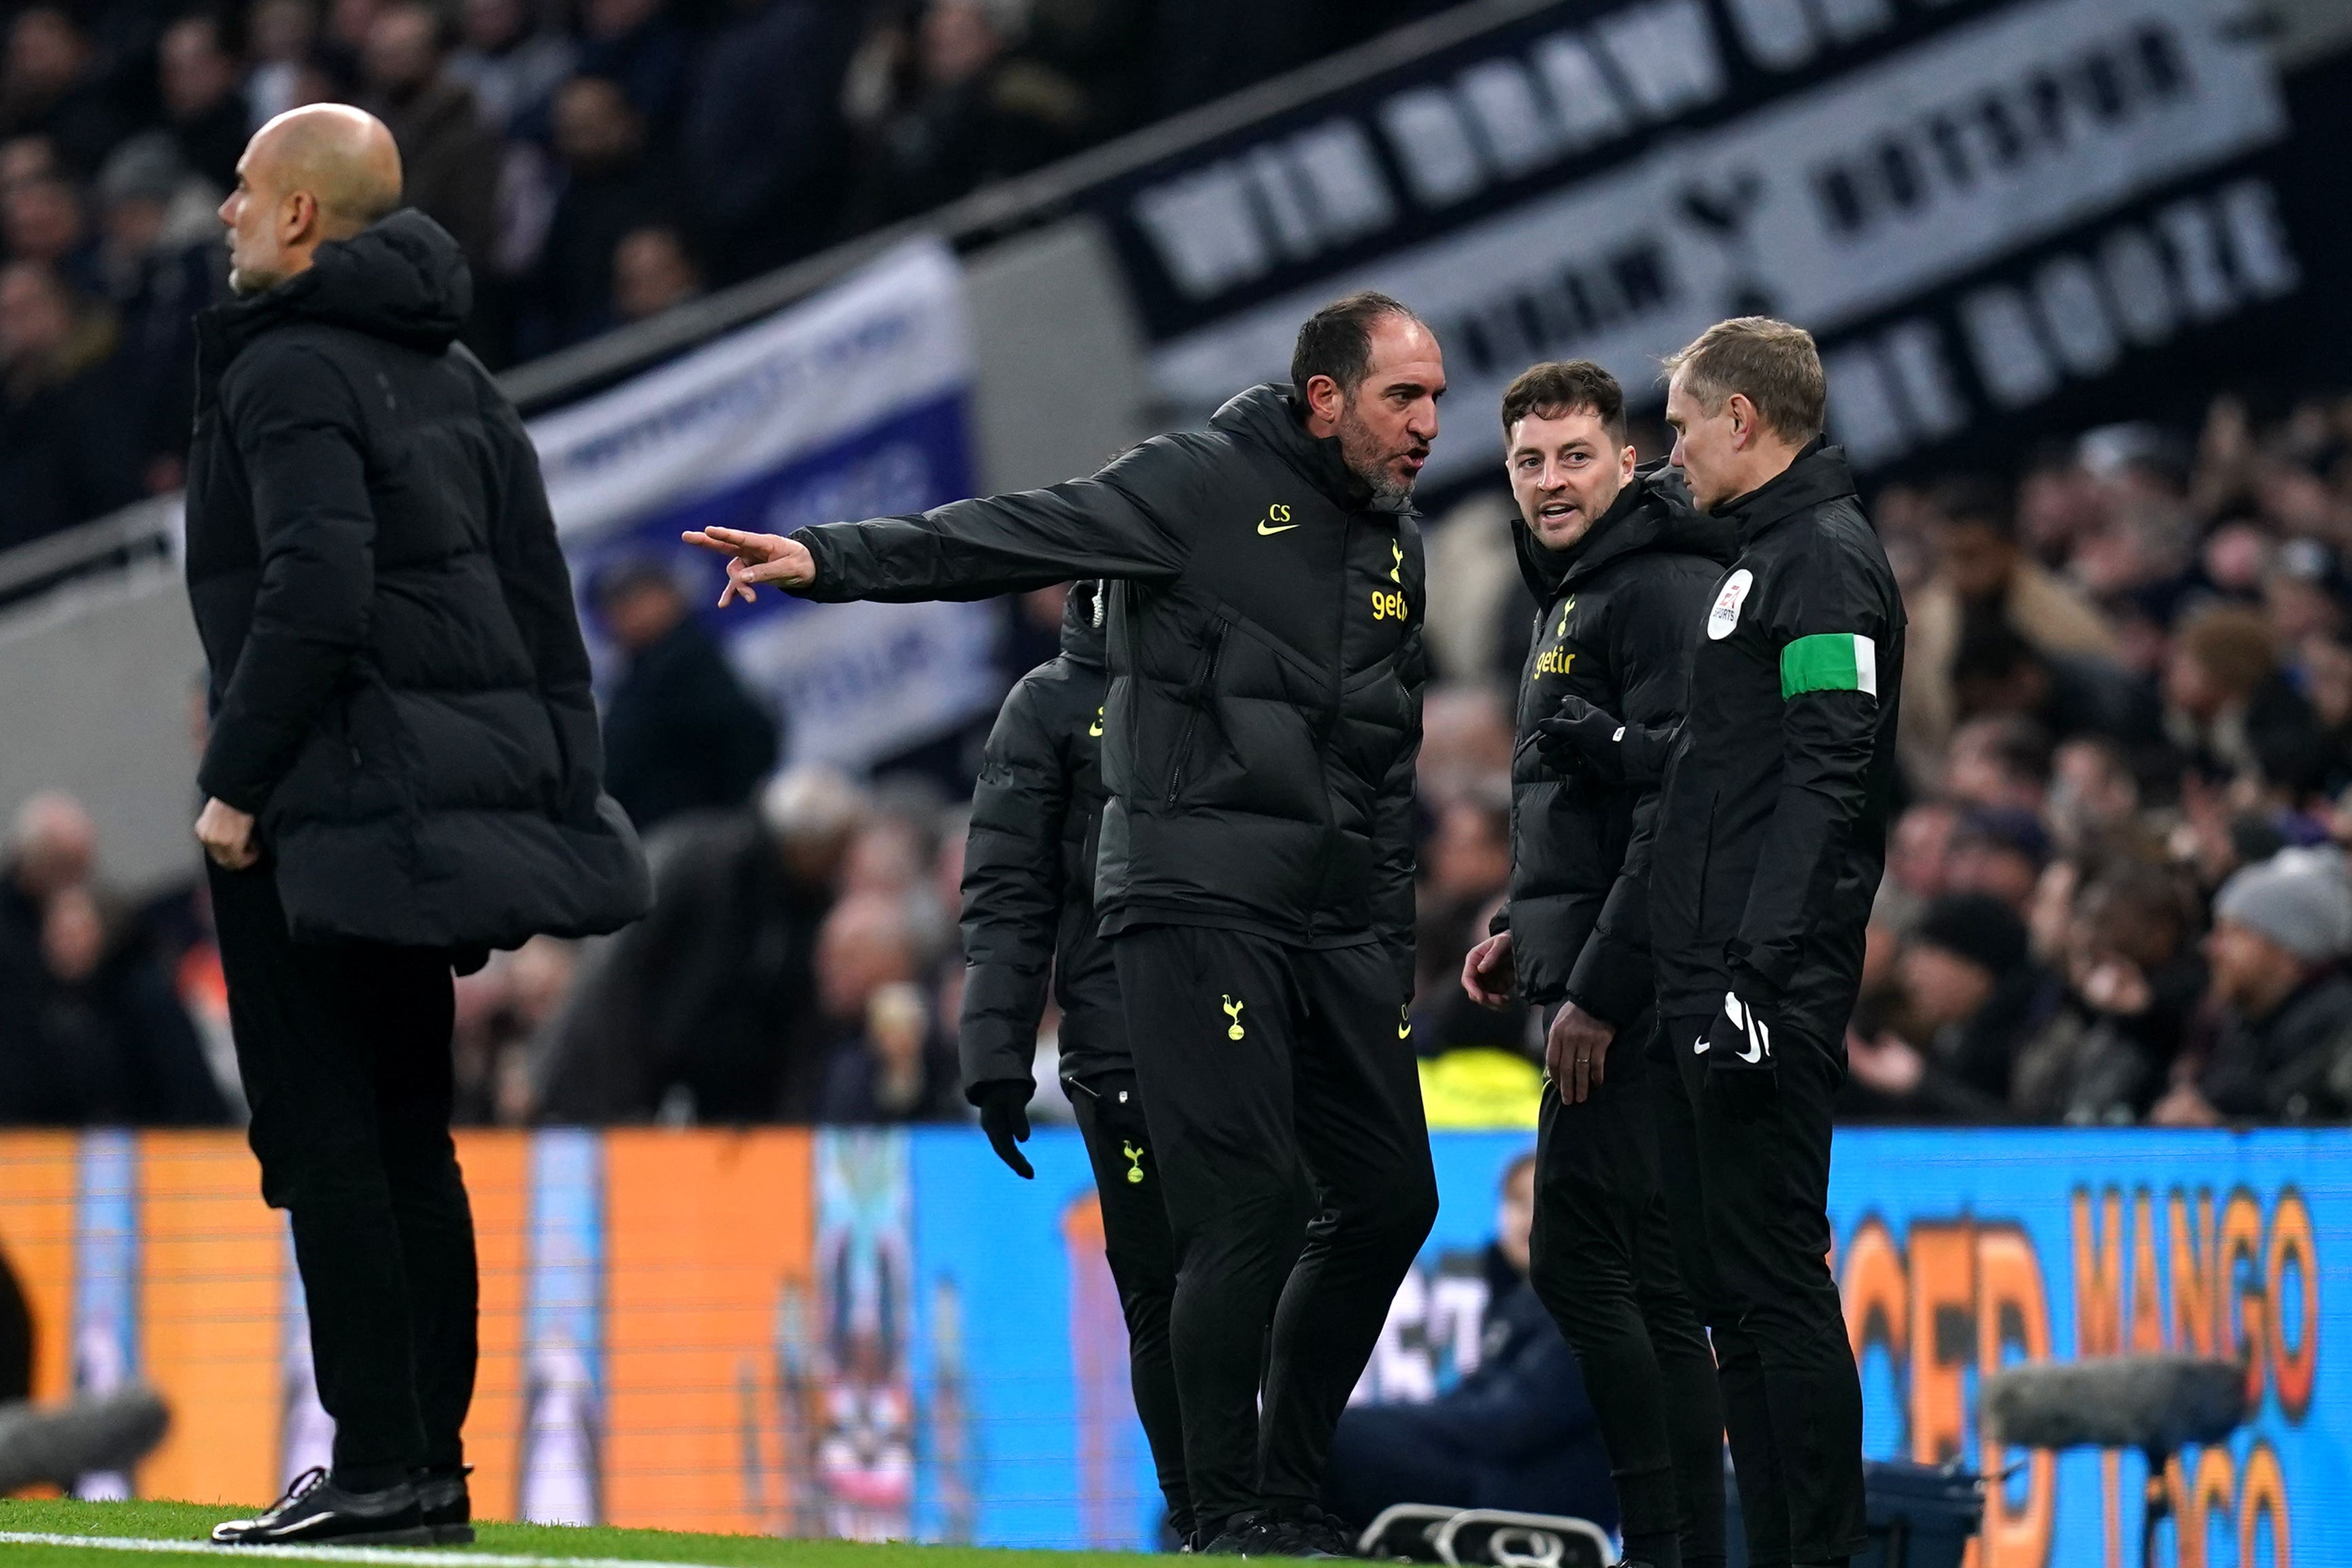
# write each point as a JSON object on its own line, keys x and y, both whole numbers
{"x": 344, "y": 1054}
{"x": 1143, "y": 1255}
{"x": 1603, "y": 1263}
{"x": 1253, "y": 1058}
{"x": 1749, "y": 1201}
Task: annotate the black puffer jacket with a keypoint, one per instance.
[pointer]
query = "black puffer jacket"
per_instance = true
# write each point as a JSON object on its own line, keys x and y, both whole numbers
{"x": 1772, "y": 825}
{"x": 1029, "y": 871}
{"x": 1265, "y": 664}
{"x": 398, "y": 686}
{"x": 1620, "y": 610}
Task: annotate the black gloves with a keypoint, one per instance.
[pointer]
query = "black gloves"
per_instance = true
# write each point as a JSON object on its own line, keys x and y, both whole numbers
{"x": 1738, "y": 1051}
{"x": 1580, "y": 738}
{"x": 1004, "y": 1116}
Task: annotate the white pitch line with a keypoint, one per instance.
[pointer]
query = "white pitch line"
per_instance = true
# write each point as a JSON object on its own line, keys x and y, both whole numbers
{"x": 363, "y": 1554}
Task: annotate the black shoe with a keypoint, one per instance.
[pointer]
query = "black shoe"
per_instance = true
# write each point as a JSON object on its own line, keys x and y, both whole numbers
{"x": 315, "y": 1511}
{"x": 1313, "y": 1533}
{"x": 448, "y": 1509}
{"x": 1227, "y": 1537}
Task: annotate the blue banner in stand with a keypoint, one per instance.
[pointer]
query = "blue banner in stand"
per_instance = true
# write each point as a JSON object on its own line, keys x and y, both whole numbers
{"x": 1956, "y": 1251}
{"x": 853, "y": 403}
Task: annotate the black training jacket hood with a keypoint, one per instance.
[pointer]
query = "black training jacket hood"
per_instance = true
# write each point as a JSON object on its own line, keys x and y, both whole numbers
{"x": 1083, "y": 615}
{"x": 402, "y": 279}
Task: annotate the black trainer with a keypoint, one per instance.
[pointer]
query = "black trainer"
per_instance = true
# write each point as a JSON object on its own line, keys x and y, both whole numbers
{"x": 315, "y": 1511}
{"x": 1228, "y": 1537}
{"x": 447, "y": 1508}
{"x": 1312, "y": 1534}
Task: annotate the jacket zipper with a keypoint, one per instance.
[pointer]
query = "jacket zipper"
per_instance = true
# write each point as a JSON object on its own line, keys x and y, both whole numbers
{"x": 1202, "y": 691}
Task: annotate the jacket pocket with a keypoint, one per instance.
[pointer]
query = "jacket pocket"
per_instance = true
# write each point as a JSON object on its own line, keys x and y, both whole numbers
{"x": 1197, "y": 695}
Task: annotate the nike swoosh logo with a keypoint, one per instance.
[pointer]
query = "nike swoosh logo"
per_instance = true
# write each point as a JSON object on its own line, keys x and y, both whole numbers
{"x": 1286, "y": 528}
{"x": 1405, "y": 1031}
{"x": 1752, "y": 1055}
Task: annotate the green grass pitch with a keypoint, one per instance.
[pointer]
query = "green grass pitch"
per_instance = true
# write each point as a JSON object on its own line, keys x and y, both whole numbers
{"x": 165, "y": 1522}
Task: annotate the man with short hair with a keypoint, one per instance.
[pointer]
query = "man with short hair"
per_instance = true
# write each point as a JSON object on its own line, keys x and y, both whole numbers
{"x": 402, "y": 772}
{"x": 1620, "y": 564}
{"x": 1772, "y": 835}
{"x": 1256, "y": 865}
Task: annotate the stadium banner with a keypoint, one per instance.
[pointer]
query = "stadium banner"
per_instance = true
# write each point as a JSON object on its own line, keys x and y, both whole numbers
{"x": 853, "y": 402}
{"x": 1976, "y": 205}
{"x": 883, "y": 1334}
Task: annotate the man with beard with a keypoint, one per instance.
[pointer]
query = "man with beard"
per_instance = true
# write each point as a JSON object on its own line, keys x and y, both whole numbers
{"x": 1255, "y": 870}
{"x": 1772, "y": 835}
{"x": 1620, "y": 564}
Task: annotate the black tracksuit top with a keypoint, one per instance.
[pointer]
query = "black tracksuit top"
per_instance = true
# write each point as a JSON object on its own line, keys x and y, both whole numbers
{"x": 1029, "y": 872}
{"x": 1771, "y": 827}
{"x": 1619, "y": 612}
{"x": 1265, "y": 640}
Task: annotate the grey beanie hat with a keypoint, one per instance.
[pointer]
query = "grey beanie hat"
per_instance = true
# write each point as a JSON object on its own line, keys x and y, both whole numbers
{"x": 2299, "y": 898}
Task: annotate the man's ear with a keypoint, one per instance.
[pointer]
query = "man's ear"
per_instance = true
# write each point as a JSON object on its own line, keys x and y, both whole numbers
{"x": 1743, "y": 420}
{"x": 1324, "y": 398}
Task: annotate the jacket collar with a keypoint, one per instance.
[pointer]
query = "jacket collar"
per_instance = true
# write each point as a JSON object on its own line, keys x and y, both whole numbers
{"x": 1819, "y": 474}
{"x": 1270, "y": 415}
{"x": 1082, "y": 614}
{"x": 1653, "y": 513}
{"x": 402, "y": 279}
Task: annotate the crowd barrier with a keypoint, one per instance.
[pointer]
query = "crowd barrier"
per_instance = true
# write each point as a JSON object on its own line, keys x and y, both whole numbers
{"x": 884, "y": 1335}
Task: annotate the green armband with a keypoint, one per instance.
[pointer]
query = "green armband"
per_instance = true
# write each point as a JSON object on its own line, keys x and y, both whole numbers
{"x": 1829, "y": 661}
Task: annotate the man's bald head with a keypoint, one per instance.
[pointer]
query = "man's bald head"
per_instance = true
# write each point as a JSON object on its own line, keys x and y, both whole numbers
{"x": 322, "y": 172}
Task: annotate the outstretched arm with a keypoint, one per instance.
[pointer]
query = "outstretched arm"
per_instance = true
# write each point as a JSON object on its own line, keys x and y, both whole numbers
{"x": 1115, "y": 524}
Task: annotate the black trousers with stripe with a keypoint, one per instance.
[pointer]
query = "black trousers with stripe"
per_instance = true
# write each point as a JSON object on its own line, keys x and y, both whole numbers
{"x": 1256, "y": 1060}
{"x": 1142, "y": 1256}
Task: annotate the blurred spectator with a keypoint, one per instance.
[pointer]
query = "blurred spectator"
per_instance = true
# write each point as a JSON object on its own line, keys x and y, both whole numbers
{"x": 162, "y": 265}
{"x": 900, "y": 1069}
{"x": 1967, "y": 996}
{"x": 707, "y": 1009}
{"x": 282, "y": 35}
{"x": 2001, "y": 763}
{"x": 1998, "y": 852}
{"x": 653, "y": 272}
{"x": 680, "y": 732}
{"x": 763, "y": 138}
{"x": 2228, "y": 706}
{"x": 511, "y": 67}
{"x": 209, "y": 116}
{"x": 91, "y": 1031}
{"x": 64, "y": 458}
{"x": 449, "y": 158}
{"x": 1918, "y": 861}
{"x": 632, "y": 43}
{"x": 976, "y": 113}
{"x": 1517, "y": 1432}
{"x": 501, "y": 1009}
{"x": 53, "y": 87}
{"x": 1984, "y": 581}
{"x": 46, "y": 222}
{"x": 2280, "y": 930}
{"x": 2133, "y": 981}
{"x": 609, "y": 187}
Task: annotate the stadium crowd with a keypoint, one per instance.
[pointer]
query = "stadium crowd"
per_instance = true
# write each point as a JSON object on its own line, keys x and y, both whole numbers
{"x": 2115, "y": 892}
{"x": 599, "y": 162}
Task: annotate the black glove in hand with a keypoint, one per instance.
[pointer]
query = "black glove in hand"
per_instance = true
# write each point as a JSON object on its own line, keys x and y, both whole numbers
{"x": 1737, "y": 1048}
{"x": 1580, "y": 738}
{"x": 1004, "y": 1116}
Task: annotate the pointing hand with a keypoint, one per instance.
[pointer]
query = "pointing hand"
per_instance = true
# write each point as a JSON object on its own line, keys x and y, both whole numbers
{"x": 755, "y": 559}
